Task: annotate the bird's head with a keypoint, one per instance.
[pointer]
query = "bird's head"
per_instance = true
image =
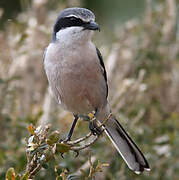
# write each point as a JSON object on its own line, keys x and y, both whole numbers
{"x": 74, "y": 24}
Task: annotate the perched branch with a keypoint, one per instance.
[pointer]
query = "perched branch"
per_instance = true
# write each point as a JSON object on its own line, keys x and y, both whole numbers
{"x": 42, "y": 146}
{"x": 77, "y": 148}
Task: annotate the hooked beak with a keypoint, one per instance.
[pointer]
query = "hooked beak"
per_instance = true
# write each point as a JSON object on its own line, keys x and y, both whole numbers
{"x": 91, "y": 26}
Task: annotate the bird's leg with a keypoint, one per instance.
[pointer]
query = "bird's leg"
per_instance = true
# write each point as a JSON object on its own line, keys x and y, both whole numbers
{"x": 68, "y": 138}
{"x": 93, "y": 126}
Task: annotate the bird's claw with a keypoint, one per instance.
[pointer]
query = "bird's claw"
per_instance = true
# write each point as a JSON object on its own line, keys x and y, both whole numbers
{"x": 95, "y": 129}
{"x": 77, "y": 154}
{"x": 62, "y": 155}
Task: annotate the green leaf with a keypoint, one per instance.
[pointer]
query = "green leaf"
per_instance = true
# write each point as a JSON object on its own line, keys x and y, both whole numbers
{"x": 10, "y": 174}
{"x": 45, "y": 166}
{"x": 62, "y": 148}
{"x": 57, "y": 170}
{"x": 26, "y": 176}
{"x": 48, "y": 154}
{"x": 53, "y": 138}
{"x": 18, "y": 177}
{"x": 59, "y": 178}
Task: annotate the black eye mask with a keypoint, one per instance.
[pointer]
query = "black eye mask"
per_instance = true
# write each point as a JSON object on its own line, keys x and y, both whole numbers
{"x": 67, "y": 22}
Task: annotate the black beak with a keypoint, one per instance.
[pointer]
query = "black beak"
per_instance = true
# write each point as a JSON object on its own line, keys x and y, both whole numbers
{"x": 91, "y": 26}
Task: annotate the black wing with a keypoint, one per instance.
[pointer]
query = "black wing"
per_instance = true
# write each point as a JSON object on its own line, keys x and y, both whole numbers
{"x": 103, "y": 67}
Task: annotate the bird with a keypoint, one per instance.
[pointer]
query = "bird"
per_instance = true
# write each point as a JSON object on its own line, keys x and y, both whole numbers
{"x": 78, "y": 80}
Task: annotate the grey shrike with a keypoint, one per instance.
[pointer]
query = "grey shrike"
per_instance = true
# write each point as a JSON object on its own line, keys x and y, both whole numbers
{"x": 77, "y": 77}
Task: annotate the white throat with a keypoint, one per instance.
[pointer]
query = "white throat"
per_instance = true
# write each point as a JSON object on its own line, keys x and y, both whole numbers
{"x": 73, "y": 36}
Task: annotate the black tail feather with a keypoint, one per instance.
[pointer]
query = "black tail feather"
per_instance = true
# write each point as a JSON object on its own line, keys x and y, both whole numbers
{"x": 126, "y": 146}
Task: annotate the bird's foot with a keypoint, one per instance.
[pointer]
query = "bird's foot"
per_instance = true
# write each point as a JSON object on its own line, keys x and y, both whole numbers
{"x": 77, "y": 154}
{"x": 94, "y": 128}
{"x": 62, "y": 155}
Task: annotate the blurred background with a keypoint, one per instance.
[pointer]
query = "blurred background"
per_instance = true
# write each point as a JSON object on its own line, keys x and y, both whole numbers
{"x": 139, "y": 41}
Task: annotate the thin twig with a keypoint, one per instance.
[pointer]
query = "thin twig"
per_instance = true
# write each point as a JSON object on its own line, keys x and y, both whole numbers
{"x": 88, "y": 135}
{"x": 79, "y": 140}
{"x": 35, "y": 170}
{"x": 78, "y": 148}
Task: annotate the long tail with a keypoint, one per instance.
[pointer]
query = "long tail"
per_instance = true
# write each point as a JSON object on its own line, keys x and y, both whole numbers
{"x": 126, "y": 146}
